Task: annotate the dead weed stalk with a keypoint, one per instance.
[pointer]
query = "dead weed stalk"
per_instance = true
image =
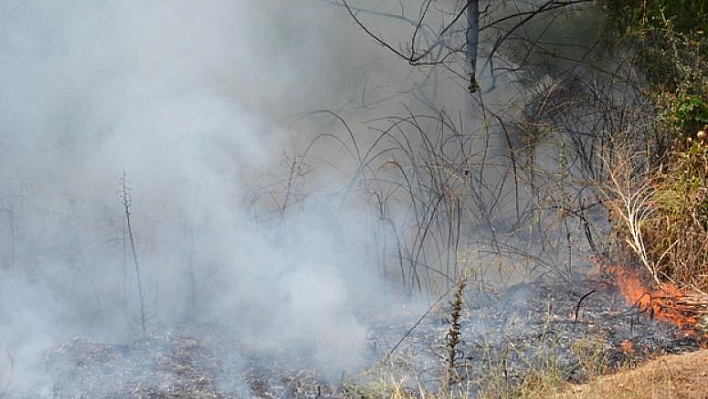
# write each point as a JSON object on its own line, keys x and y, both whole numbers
{"x": 454, "y": 335}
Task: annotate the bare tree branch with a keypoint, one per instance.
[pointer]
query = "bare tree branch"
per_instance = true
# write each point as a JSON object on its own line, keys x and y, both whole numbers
{"x": 414, "y": 58}
{"x": 472, "y": 12}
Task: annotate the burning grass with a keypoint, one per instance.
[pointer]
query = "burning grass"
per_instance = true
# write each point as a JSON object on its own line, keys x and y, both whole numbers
{"x": 665, "y": 303}
{"x": 660, "y": 220}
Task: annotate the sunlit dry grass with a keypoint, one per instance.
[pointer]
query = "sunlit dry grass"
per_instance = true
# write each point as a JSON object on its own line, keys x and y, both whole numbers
{"x": 672, "y": 377}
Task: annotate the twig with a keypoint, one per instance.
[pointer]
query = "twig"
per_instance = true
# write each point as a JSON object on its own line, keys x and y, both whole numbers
{"x": 127, "y": 202}
{"x": 577, "y": 307}
{"x": 420, "y": 320}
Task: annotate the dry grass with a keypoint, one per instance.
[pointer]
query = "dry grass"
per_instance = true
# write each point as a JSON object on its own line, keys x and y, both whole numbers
{"x": 661, "y": 214}
{"x": 671, "y": 377}
{"x": 679, "y": 232}
{"x": 629, "y": 199}
{"x": 678, "y": 376}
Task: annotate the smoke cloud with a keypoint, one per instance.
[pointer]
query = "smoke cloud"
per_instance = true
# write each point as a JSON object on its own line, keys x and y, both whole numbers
{"x": 193, "y": 102}
{"x": 204, "y": 106}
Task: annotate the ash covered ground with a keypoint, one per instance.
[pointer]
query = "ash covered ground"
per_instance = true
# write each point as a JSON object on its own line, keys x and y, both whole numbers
{"x": 578, "y": 329}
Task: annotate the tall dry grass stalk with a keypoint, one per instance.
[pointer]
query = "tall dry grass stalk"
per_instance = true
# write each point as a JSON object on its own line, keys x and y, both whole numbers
{"x": 127, "y": 201}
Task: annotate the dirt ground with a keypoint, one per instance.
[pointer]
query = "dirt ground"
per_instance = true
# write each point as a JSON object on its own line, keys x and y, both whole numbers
{"x": 682, "y": 376}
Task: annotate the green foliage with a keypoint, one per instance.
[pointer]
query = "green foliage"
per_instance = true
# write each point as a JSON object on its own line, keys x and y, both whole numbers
{"x": 686, "y": 15}
{"x": 681, "y": 117}
{"x": 668, "y": 37}
{"x": 691, "y": 110}
{"x": 669, "y": 231}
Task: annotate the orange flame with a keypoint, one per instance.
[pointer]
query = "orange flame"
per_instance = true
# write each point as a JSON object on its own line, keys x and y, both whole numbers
{"x": 666, "y": 303}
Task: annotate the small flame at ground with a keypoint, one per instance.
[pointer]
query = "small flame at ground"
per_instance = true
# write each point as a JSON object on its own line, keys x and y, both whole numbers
{"x": 666, "y": 303}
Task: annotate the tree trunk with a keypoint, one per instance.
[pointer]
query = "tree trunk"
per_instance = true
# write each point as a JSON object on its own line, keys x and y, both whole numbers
{"x": 472, "y": 42}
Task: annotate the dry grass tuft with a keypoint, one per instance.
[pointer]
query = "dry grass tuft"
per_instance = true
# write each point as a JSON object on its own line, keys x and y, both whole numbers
{"x": 679, "y": 376}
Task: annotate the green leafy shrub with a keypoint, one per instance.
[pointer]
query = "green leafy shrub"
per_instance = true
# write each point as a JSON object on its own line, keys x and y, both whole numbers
{"x": 682, "y": 117}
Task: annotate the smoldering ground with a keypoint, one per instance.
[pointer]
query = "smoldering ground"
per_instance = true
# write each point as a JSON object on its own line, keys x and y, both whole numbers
{"x": 201, "y": 105}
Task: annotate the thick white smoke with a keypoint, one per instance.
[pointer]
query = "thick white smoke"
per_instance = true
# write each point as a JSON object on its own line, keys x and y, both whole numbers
{"x": 191, "y": 100}
{"x": 201, "y": 104}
